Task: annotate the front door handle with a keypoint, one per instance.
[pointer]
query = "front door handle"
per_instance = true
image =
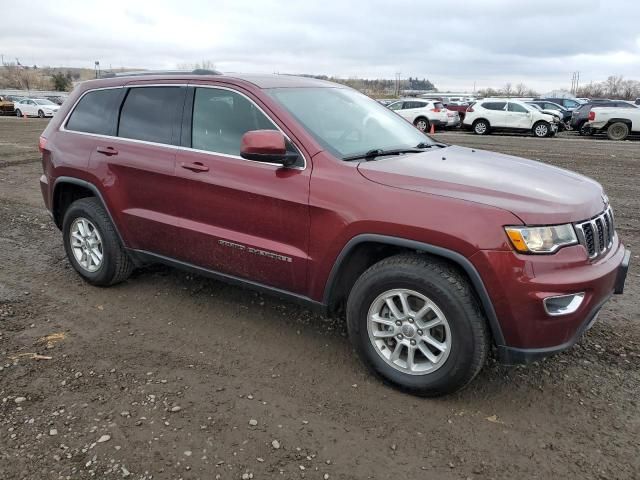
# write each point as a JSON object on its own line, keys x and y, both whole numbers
{"x": 195, "y": 166}
{"x": 108, "y": 151}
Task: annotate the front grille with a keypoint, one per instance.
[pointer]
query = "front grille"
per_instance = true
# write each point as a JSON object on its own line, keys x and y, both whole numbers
{"x": 597, "y": 234}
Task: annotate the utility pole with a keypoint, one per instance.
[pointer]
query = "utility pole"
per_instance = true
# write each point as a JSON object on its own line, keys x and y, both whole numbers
{"x": 398, "y": 84}
{"x": 97, "y": 68}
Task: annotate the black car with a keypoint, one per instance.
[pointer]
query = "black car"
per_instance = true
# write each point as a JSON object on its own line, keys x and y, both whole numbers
{"x": 548, "y": 105}
{"x": 568, "y": 103}
{"x": 580, "y": 116}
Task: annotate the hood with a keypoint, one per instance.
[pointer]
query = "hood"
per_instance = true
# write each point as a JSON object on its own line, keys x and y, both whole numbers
{"x": 537, "y": 193}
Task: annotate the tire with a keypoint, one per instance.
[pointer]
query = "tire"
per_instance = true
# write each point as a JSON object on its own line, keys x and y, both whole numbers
{"x": 541, "y": 129}
{"x": 464, "y": 328}
{"x": 115, "y": 265}
{"x": 422, "y": 124}
{"x": 18, "y": 112}
{"x": 618, "y": 131}
{"x": 481, "y": 127}
{"x": 40, "y": 114}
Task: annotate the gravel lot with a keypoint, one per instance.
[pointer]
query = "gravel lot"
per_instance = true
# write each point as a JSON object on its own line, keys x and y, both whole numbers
{"x": 173, "y": 376}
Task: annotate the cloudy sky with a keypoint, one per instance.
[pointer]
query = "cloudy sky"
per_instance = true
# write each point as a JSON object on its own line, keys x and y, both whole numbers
{"x": 453, "y": 43}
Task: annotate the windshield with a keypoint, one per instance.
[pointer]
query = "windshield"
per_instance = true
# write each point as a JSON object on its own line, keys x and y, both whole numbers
{"x": 43, "y": 101}
{"x": 536, "y": 106}
{"x": 348, "y": 123}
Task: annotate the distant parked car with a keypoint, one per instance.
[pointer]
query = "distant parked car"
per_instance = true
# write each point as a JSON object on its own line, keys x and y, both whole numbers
{"x": 58, "y": 100}
{"x": 6, "y": 106}
{"x": 36, "y": 107}
{"x": 637, "y": 102}
{"x": 547, "y": 105}
{"x": 556, "y": 113}
{"x": 616, "y": 122}
{"x": 580, "y": 116}
{"x": 424, "y": 113}
{"x": 568, "y": 103}
{"x": 508, "y": 115}
{"x": 460, "y": 107}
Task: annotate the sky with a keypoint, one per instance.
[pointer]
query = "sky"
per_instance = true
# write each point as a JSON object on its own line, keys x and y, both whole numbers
{"x": 455, "y": 44}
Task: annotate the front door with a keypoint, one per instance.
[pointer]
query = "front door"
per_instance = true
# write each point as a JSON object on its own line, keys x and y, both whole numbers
{"x": 243, "y": 218}
{"x": 519, "y": 117}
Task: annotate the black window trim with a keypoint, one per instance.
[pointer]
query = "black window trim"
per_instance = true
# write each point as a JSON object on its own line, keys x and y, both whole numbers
{"x": 181, "y": 129}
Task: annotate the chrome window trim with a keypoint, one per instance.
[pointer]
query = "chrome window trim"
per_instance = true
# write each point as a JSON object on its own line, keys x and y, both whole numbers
{"x": 63, "y": 128}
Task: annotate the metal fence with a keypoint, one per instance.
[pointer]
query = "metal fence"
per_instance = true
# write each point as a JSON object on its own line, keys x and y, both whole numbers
{"x": 34, "y": 93}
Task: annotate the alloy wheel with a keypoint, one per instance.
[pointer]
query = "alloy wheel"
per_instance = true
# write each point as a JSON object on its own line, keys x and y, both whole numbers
{"x": 409, "y": 331}
{"x": 86, "y": 244}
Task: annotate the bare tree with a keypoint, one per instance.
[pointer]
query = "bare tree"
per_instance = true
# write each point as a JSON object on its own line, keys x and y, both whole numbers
{"x": 507, "y": 89}
{"x": 613, "y": 84}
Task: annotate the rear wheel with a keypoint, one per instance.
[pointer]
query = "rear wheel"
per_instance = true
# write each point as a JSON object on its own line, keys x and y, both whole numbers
{"x": 618, "y": 131}
{"x": 481, "y": 127}
{"x": 18, "y": 112}
{"x": 92, "y": 244}
{"x": 541, "y": 129}
{"x": 415, "y": 322}
{"x": 421, "y": 124}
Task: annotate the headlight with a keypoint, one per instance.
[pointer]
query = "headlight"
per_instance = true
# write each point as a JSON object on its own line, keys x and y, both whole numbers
{"x": 541, "y": 239}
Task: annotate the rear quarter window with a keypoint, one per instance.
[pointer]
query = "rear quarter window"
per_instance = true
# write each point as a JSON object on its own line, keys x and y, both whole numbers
{"x": 96, "y": 112}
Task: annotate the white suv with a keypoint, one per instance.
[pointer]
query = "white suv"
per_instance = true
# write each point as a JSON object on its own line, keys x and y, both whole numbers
{"x": 508, "y": 115}
{"x": 425, "y": 113}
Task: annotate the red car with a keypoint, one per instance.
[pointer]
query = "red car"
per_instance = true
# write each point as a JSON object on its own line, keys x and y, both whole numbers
{"x": 437, "y": 254}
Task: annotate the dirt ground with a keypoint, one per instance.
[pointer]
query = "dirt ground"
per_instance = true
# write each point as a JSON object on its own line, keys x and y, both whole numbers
{"x": 172, "y": 376}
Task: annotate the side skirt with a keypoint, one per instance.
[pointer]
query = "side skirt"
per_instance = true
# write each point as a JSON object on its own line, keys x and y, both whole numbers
{"x": 142, "y": 257}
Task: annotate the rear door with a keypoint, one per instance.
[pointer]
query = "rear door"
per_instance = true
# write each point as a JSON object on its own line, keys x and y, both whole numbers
{"x": 240, "y": 217}
{"x": 136, "y": 166}
{"x": 497, "y": 114}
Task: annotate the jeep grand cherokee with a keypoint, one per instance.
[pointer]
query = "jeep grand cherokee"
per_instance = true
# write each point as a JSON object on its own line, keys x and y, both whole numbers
{"x": 437, "y": 254}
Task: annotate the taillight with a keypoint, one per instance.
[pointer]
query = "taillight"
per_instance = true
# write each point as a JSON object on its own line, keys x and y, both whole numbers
{"x": 470, "y": 109}
{"x": 437, "y": 110}
{"x": 592, "y": 116}
{"x": 42, "y": 144}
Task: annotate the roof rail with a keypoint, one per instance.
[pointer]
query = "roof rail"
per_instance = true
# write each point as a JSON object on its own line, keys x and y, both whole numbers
{"x": 140, "y": 73}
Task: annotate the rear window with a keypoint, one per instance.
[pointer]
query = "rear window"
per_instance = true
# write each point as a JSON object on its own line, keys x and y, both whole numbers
{"x": 150, "y": 114}
{"x": 438, "y": 106}
{"x": 95, "y": 113}
{"x": 494, "y": 105}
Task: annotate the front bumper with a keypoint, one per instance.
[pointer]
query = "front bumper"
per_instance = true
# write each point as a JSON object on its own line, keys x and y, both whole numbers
{"x": 518, "y": 284}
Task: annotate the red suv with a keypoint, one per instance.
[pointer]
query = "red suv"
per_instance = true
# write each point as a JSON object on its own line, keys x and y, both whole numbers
{"x": 310, "y": 190}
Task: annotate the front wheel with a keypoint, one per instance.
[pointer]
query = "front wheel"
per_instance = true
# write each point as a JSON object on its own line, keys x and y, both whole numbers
{"x": 40, "y": 114}
{"x": 541, "y": 129}
{"x": 92, "y": 244}
{"x": 414, "y": 321}
{"x": 618, "y": 131}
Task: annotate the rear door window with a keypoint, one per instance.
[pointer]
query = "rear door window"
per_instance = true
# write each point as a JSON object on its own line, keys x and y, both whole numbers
{"x": 96, "y": 112}
{"x": 152, "y": 114}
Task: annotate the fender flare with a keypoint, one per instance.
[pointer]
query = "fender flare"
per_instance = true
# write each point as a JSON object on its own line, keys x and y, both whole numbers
{"x": 455, "y": 257}
{"x": 96, "y": 192}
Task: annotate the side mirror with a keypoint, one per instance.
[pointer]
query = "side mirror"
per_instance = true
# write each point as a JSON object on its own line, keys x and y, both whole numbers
{"x": 267, "y": 146}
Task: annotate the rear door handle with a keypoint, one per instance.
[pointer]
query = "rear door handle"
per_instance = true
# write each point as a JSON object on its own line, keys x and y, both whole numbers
{"x": 108, "y": 151}
{"x": 195, "y": 166}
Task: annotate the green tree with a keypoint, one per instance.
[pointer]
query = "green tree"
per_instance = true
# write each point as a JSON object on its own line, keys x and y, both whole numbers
{"x": 61, "y": 82}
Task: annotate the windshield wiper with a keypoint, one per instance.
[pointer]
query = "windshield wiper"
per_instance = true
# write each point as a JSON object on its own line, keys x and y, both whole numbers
{"x": 379, "y": 152}
{"x": 430, "y": 145}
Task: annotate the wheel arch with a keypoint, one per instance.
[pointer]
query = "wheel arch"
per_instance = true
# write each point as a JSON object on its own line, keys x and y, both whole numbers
{"x": 481, "y": 119}
{"x": 66, "y": 190}
{"x": 364, "y": 250}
